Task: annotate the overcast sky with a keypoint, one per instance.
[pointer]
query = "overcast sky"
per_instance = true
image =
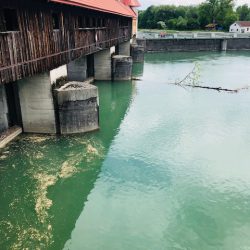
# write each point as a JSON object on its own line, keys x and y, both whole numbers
{"x": 146, "y": 3}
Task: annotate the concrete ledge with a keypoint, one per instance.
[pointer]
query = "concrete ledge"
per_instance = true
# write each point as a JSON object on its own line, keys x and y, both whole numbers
{"x": 75, "y": 91}
{"x": 9, "y": 135}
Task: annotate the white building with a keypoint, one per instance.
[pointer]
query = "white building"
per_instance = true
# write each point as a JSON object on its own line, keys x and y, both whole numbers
{"x": 240, "y": 27}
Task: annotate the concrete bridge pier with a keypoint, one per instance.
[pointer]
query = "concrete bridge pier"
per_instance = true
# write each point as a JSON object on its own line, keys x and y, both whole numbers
{"x": 224, "y": 45}
{"x": 124, "y": 48}
{"x": 122, "y": 67}
{"x": 102, "y": 65}
{"x": 78, "y": 107}
{"x": 37, "y": 103}
{"x": 137, "y": 53}
{"x": 77, "y": 69}
{"x": 3, "y": 109}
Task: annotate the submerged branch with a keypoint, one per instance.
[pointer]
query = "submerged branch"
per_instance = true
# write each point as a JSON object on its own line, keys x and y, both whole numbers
{"x": 212, "y": 88}
{"x": 191, "y": 80}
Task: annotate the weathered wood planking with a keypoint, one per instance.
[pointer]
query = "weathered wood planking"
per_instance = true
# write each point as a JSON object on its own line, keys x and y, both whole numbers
{"x": 36, "y": 47}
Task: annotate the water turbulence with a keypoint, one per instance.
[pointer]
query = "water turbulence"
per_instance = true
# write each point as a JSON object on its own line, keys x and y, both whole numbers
{"x": 169, "y": 168}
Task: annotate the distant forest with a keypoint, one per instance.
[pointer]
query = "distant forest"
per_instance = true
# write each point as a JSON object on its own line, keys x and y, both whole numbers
{"x": 221, "y": 12}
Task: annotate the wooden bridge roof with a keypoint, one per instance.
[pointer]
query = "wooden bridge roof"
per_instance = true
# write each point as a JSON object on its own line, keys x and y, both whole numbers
{"x": 109, "y": 6}
{"x": 132, "y": 3}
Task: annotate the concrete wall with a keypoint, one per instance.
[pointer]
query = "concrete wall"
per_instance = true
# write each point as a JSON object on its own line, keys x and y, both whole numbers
{"x": 124, "y": 48}
{"x": 77, "y": 69}
{"x": 102, "y": 65}
{"x": 238, "y": 44}
{"x": 37, "y": 104}
{"x": 157, "y": 45}
{"x": 3, "y": 110}
{"x": 183, "y": 45}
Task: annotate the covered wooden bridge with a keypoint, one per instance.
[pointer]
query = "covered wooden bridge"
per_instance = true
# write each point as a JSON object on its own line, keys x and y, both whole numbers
{"x": 43, "y": 40}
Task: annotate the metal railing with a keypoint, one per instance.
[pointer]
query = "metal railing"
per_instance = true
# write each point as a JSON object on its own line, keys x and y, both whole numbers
{"x": 191, "y": 35}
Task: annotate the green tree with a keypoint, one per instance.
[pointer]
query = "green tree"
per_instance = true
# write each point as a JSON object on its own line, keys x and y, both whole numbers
{"x": 229, "y": 19}
{"x": 243, "y": 13}
{"x": 221, "y": 12}
{"x": 204, "y": 15}
{"x": 148, "y": 18}
{"x": 161, "y": 25}
{"x": 181, "y": 23}
{"x": 172, "y": 23}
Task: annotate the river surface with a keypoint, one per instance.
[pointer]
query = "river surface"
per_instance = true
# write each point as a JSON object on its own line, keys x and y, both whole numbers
{"x": 169, "y": 168}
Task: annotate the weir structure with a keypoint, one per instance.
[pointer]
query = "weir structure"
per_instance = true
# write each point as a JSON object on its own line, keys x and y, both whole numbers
{"x": 47, "y": 43}
{"x": 194, "y": 44}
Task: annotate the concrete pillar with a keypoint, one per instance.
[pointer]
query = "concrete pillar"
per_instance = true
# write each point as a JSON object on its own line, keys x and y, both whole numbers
{"x": 58, "y": 73}
{"x": 122, "y": 67}
{"x": 37, "y": 106}
{"x": 137, "y": 53}
{"x": 224, "y": 45}
{"x": 113, "y": 50}
{"x": 137, "y": 70}
{"x": 37, "y": 102}
{"x": 3, "y": 109}
{"x": 212, "y": 35}
{"x": 78, "y": 107}
{"x": 77, "y": 69}
{"x": 124, "y": 48}
{"x": 102, "y": 65}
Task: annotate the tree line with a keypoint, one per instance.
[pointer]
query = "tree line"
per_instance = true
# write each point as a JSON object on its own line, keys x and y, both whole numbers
{"x": 221, "y": 12}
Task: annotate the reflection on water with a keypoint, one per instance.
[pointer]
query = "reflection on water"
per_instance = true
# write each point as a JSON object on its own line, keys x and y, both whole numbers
{"x": 45, "y": 180}
{"x": 169, "y": 168}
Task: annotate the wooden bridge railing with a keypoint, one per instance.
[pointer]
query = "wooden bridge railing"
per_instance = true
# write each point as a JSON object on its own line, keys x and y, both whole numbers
{"x": 23, "y": 54}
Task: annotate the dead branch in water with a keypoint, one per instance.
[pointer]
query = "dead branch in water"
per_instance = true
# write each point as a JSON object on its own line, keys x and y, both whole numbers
{"x": 191, "y": 80}
{"x": 136, "y": 79}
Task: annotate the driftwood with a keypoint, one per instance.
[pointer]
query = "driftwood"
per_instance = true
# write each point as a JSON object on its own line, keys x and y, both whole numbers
{"x": 193, "y": 76}
{"x": 136, "y": 79}
{"x": 212, "y": 88}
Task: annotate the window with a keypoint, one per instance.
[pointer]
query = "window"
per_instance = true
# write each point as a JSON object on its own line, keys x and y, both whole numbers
{"x": 87, "y": 22}
{"x": 99, "y": 22}
{"x": 94, "y": 22}
{"x": 80, "y": 22}
{"x": 123, "y": 22}
{"x": 55, "y": 21}
{"x": 11, "y": 21}
{"x": 104, "y": 22}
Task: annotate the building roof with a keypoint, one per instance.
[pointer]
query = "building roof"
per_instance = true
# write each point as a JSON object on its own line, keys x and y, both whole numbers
{"x": 243, "y": 23}
{"x": 109, "y": 6}
{"x": 211, "y": 25}
{"x": 132, "y": 3}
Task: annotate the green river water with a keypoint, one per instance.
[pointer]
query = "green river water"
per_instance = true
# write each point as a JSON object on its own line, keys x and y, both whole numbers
{"x": 169, "y": 168}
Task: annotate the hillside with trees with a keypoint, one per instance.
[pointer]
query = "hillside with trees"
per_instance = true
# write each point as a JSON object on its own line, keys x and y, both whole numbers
{"x": 221, "y": 12}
